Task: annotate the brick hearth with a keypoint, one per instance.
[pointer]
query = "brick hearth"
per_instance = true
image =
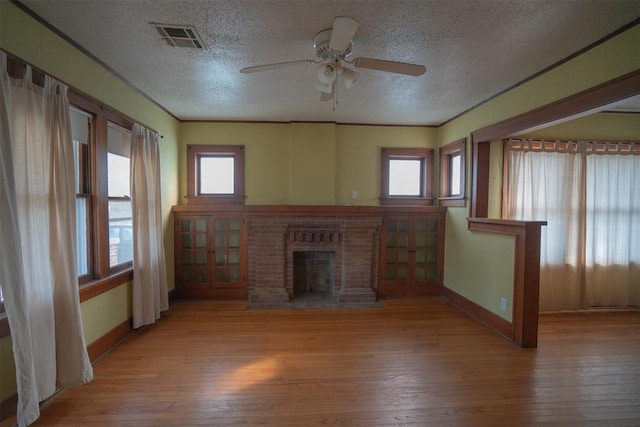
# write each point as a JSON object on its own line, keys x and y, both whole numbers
{"x": 272, "y": 240}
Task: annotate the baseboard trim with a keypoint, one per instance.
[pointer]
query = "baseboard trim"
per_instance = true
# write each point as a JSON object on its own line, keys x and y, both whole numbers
{"x": 173, "y": 296}
{"x": 487, "y": 318}
{"x": 109, "y": 341}
{"x": 8, "y": 408}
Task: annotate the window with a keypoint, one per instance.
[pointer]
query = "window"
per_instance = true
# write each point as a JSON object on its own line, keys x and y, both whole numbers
{"x": 215, "y": 174}
{"x": 80, "y": 132}
{"x": 405, "y": 176}
{"x": 119, "y": 191}
{"x": 587, "y": 192}
{"x": 102, "y": 141}
{"x": 452, "y": 174}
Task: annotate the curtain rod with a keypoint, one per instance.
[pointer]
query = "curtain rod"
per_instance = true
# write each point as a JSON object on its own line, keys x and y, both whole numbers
{"x": 16, "y": 67}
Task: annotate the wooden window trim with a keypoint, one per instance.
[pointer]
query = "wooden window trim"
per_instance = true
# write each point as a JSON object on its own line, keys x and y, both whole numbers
{"x": 446, "y": 153}
{"x": 193, "y": 154}
{"x": 424, "y": 154}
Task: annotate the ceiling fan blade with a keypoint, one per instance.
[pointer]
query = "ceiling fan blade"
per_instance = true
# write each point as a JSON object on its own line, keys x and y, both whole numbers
{"x": 344, "y": 27}
{"x": 389, "y": 66}
{"x": 267, "y": 67}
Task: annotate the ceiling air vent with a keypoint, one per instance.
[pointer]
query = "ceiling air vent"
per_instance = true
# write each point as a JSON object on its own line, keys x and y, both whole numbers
{"x": 179, "y": 35}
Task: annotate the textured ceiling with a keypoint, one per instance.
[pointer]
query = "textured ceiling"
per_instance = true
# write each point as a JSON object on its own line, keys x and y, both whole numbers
{"x": 472, "y": 49}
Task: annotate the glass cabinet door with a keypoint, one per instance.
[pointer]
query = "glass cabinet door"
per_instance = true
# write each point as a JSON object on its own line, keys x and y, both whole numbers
{"x": 227, "y": 250}
{"x": 426, "y": 241}
{"x": 397, "y": 250}
{"x": 194, "y": 250}
{"x": 410, "y": 256}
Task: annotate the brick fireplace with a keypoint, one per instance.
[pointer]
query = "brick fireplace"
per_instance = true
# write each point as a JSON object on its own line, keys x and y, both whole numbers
{"x": 348, "y": 270}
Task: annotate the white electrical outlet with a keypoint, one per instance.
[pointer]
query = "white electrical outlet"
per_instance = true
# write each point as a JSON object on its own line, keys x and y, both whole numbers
{"x": 503, "y": 304}
{"x": 354, "y": 194}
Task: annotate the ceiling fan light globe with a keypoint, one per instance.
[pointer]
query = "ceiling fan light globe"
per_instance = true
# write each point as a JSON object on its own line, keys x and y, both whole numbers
{"x": 326, "y": 74}
{"x": 324, "y": 87}
{"x": 349, "y": 77}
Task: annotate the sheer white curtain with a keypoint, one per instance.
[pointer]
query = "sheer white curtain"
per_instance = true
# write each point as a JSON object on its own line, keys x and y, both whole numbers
{"x": 613, "y": 230}
{"x": 150, "y": 295}
{"x": 547, "y": 186}
{"x": 590, "y": 249}
{"x": 38, "y": 260}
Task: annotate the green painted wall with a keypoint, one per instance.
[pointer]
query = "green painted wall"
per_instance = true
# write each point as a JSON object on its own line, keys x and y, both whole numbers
{"x": 358, "y": 157}
{"x": 106, "y": 311}
{"x": 306, "y": 163}
{"x": 267, "y": 156}
{"x": 601, "y": 126}
{"x": 486, "y": 285}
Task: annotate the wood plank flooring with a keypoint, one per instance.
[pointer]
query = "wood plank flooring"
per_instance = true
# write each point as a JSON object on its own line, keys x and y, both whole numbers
{"x": 413, "y": 362}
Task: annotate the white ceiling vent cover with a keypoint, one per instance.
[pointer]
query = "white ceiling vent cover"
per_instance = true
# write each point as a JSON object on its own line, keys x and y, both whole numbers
{"x": 179, "y": 35}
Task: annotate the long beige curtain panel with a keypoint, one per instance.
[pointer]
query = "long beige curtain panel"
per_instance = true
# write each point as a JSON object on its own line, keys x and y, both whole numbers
{"x": 38, "y": 253}
{"x": 150, "y": 296}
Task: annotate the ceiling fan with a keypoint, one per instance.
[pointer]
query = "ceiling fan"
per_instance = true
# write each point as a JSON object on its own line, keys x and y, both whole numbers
{"x": 333, "y": 47}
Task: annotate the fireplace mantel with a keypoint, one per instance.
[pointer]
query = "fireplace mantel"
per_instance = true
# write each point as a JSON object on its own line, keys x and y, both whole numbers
{"x": 271, "y": 234}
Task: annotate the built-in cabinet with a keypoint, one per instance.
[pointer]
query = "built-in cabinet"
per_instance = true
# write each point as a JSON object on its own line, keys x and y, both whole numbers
{"x": 210, "y": 257}
{"x": 411, "y": 255}
{"x": 211, "y": 247}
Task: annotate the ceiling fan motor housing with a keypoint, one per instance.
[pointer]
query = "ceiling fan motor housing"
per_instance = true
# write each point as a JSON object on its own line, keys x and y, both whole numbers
{"x": 321, "y": 46}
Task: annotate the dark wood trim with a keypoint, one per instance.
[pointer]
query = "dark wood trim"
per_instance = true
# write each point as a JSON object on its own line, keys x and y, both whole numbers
{"x": 489, "y": 319}
{"x": 480, "y": 168}
{"x": 193, "y": 196}
{"x": 426, "y": 155}
{"x": 451, "y": 202}
{"x": 101, "y": 286}
{"x": 606, "y": 93}
{"x": 5, "y": 330}
{"x": 406, "y": 201}
{"x": 109, "y": 340}
{"x": 619, "y": 112}
{"x": 312, "y": 210}
{"x": 278, "y": 122}
{"x": 173, "y": 296}
{"x": 526, "y": 284}
{"x": 9, "y": 408}
{"x": 547, "y": 69}
{"x": 619, "y": 88}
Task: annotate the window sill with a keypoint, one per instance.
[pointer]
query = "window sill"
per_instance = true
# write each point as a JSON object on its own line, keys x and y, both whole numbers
{"x": 452, "y": 201}
{"x": 215, "y": 200}
{"x": 100, "y": 286}
{"x": 406, "y": 201}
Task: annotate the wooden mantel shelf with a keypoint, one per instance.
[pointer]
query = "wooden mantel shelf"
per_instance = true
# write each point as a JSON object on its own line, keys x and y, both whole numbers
{"x": 527, "y": 273}
{"x": 311, "y": 210}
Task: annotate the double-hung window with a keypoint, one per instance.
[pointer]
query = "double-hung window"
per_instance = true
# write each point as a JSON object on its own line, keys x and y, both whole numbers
{"x": 119, "y": 191}
{"x": 81, "y": 133}
{"x": 102, "y": 144}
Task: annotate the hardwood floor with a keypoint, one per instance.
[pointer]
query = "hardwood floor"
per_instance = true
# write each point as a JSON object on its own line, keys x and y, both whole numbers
{"x": 410, "y": 362}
